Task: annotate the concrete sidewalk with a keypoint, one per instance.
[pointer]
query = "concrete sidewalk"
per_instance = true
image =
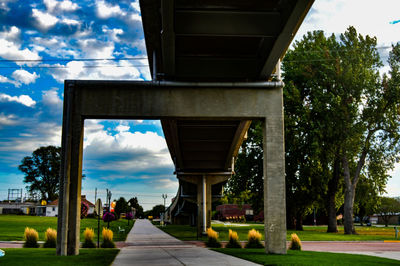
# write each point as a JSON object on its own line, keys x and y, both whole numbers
{"x": 148, "y": 245}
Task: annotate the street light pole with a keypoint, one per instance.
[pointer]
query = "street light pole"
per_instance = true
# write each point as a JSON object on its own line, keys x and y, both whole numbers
{"x": 164, "y": 196}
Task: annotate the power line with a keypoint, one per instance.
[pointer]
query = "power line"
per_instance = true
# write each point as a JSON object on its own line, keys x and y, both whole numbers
{"x": 72, "y": 59}
{"x": 65, "y": 67}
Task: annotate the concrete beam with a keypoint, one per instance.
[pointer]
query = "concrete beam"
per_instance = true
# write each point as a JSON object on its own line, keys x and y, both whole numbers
{"x": 146, "y": 100}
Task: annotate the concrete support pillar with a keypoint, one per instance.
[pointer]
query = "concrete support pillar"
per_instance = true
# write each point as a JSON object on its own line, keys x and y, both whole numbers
{"x": 68, "y": 230}
{"x": 204, "y": 201}
{"x": 274, "y": 183}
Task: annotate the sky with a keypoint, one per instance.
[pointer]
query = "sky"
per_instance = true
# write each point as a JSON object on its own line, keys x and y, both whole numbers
{"x": 43, "y": 42}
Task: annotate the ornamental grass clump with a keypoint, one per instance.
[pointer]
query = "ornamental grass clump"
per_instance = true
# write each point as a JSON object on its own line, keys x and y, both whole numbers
{"x": 31, "y": 237}
{"x": 233, "y": 240}
{"x": 212, "y": 241}
{"x": 88, "y": 234}
{"x": 254, "y": 239}
{"x": 50, "y": 238}
{"x": 295, "y": 243}
{"x": 107, "y": 238}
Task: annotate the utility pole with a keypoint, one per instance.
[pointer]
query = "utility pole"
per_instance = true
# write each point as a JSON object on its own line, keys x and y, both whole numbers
{"x": 95, "y": 194}
{"x": 164, "y": 196}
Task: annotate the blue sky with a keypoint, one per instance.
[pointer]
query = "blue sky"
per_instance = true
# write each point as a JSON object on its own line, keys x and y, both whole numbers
{"x": 39, "y": 40}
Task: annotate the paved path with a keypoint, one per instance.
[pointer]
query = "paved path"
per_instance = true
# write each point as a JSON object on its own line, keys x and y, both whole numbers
{"x": 148, "y": 245}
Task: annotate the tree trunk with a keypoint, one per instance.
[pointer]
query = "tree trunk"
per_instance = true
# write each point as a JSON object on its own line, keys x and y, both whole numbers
{"x": 333, "y": 187}
{"x": 349, "y": 193}
{"x": 299, "y": 221}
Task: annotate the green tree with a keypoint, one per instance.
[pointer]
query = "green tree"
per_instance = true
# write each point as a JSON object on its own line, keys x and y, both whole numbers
{"x": 351, "y": 115}
{"x": 248, "y": 175}
{"x": 135, "y": 204}
{"x": 388, "y": 208}
{"x": 312, "y": 144}
{"x": 42, "y": 171}
{"x": 121, "y": 206}
{"x": 155, "y": 212}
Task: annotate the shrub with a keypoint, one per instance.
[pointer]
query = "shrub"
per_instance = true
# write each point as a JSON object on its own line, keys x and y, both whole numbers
{"x": 254, "y": 239}
{"x": 31, "y": 237}
{"x": 88, "y": 234}
{"x": 107, "y": 239}
{"x": 212, "y": 241}
{"x": 108, "y": 217}
{"x": 233, "y": 240}
{"x": 295, "y": 243}
{"x": 51, "y": 238}
{"x": 129, "y": 216}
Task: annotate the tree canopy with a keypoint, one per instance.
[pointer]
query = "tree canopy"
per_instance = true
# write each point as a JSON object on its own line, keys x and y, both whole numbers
{"x": 42, "y": 171}
{"x": 341, "y": 126}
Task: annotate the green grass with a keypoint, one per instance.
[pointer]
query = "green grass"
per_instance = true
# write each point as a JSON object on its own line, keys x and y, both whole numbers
{"x": 12, "y": 226}
{"x": 305, "y": 258}
{"x": 43, "y": 257}
{"x": 310, "y": 233}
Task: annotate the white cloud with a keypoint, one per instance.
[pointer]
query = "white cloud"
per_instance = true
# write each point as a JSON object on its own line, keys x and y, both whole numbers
{"x": 105, "y": 10}
{"x": 23, "y": 76}
{"x": 370, "y": 18}
{"x": 10, "y": 47}
{"x": 4, "y": 79}
{"x": 22, "y": 99}
{"x": 13, "y": 35}
{"x": 45, "y": 20}
{"x": 7, "y": 120}
{"x": 113, "y": 33}
{"x": 70, "y": 21}
{"x": 122, "y": 70}
{"x": 93, "y": 48}
{"x": 51, "y": 98}
{"x": 41, "y": 134}
{"x": 64, "y": 5}
{"x": 125, "y": 154}
{"x": 135, "y": 5}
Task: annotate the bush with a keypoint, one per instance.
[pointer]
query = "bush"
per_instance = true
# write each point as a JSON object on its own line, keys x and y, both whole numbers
{"x": 295, "y": 243}
{"x": 212, "y": 241}
{"x": 233, "y": 240}
{"x": 254, "y": 239}
{"x": 108, "y": 217}
{"x": 50, "y": 238}
{"x": 31, "y": 237}
{"x": 88, "y": 235}
{"x": 107, "y": 239}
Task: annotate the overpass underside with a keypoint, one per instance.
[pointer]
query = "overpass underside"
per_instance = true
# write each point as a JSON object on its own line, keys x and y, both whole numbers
{"x": 215, "y": 68}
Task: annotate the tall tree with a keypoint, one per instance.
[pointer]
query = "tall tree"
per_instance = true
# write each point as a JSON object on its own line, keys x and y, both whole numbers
{"x": 42, "y": 171}
{"x": 311, "y": 141}
{"x": 352, "y": 114}
{"x": 370, "y": 115}
{"x": 135, "y": 204}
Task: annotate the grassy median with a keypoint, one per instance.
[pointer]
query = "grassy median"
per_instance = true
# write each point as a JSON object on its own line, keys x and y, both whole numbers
{"x": 44, "y": 257}
{"x": 305, "y": 258}
{"x": 310, "y": 233}
{"x": 12, "y": 226}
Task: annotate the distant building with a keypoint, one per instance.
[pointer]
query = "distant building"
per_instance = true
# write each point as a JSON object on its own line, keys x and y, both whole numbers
{"x": 52, "y": 207}
{"x": 233, "y": 210}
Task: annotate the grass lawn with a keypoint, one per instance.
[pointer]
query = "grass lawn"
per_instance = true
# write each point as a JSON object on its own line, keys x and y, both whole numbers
{"x": 12, "y": 226}
{"x": 310, "y": 233}
{"x": 305, "y": 258}
{"x": 43, "y": 257}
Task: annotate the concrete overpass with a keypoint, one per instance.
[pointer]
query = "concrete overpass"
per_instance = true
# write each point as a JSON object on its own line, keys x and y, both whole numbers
{"x": 215, "y": 67}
